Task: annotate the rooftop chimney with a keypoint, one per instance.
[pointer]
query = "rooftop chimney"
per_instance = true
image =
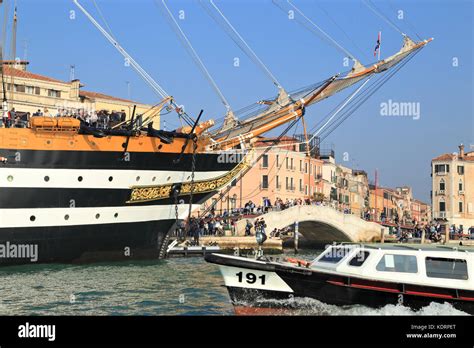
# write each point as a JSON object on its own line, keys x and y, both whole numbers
{"x": 461, "y": 151}
{"x": 16, "y": 64}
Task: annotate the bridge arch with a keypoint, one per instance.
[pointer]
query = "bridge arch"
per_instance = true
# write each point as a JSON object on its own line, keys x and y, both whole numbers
{"x": 321, "y": 224}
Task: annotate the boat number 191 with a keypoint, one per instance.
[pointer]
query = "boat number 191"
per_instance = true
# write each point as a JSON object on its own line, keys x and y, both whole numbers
{"x": 250, "y": 278}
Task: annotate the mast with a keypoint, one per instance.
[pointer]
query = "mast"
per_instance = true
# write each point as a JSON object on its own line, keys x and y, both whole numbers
{"x": 4, "y": 31}
{"x": 13, "y": 53}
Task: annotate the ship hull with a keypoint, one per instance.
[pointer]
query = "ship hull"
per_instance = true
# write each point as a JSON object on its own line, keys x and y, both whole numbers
{"x": 75, "y": 206}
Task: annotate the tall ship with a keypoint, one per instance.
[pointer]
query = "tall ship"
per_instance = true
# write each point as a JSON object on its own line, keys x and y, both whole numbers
{"x": 82, "y": 193}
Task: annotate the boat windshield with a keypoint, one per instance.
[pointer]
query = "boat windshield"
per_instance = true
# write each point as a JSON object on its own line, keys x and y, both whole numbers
{"x": 334, "y": 254}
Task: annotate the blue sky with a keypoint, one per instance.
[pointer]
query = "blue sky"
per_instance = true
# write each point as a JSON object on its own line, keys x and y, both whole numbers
{"x": 399, "y": 147}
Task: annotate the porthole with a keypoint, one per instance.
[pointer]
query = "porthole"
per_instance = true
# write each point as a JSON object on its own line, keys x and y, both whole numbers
{"x": 97, "y": 216}
{"x": 154, "y": 178}
{"x": 66, "y": 217}
{"x": 32, "y": 218}
{"x": 46, "y": 178}
{"x": 160, "y": 146}
{"x": 138, "y": 178}
{"x": 79, "y": 178}
{"x": 10, "y": 178}
{"x": 111, "y": 178}
{"x": 168, "y": 178}
{"x": 189, "y": 177}
{"x": 116, "y": 215}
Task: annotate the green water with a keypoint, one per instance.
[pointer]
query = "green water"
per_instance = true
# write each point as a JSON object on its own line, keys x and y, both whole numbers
{"x": 185, "y": 286}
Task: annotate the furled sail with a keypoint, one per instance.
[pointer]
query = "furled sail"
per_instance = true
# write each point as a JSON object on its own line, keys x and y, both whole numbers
{"x": 286, "y": 107}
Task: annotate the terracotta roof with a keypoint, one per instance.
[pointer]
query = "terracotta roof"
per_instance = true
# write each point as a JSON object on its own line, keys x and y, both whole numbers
{"x": 89, "y": 94}
{"x": 468, "y": 156}
{"x": 28, "y": 75}
{"x": 444, "y": 157}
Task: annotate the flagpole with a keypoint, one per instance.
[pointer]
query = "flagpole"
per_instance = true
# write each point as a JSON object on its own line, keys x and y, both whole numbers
{"x": 380, "y": 43}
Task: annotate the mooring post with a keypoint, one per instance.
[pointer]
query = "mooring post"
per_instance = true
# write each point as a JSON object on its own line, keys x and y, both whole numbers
{"x": 446, "y": 235}
{"x": 296, "y": 237}
{"x": 382, "y": 235}
{"x": 423, "y": 236}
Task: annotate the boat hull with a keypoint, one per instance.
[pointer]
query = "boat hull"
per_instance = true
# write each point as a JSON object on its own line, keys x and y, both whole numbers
{"x": 303, "y": 283}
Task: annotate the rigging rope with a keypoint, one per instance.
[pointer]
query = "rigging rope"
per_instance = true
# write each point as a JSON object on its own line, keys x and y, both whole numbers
{"x": 367, "y": 94}
{"x": 412, "y": 27}
{"x": 340, "y": 109}
{"x": 362, "y": 52}
{"x": 375, "y": 10}
{"x": 103, "y": 18}
{"x": 189, "y": 47}
{"x": 314, "y": 25}
{"x": 239, "y": 41}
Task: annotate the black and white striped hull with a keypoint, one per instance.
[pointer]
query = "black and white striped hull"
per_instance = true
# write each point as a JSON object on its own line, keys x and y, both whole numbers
{"x": 73, "y": 206}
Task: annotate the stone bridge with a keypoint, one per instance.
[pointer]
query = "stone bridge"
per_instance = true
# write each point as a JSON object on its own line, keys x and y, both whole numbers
{"x": 321, "y": 225}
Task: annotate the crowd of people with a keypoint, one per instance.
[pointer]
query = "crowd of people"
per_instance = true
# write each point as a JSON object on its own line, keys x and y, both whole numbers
{"x": 102, "y": 119}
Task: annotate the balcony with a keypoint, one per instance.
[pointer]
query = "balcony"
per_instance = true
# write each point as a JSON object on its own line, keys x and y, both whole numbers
{"x": 440, "y": 193}
{"x": 441, "y": 173}
{"x": 461, "y": 192}
{"x": 440, "y": 215}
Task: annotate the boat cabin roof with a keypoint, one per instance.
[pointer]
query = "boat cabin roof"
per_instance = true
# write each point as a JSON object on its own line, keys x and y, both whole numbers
{"x": 433, "y": 265}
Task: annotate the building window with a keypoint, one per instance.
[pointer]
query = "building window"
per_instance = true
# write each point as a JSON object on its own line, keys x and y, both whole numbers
{"x": 277, "y": 182}
{"x": 292, "y": 167}
{"x": 460, "y": 185}
{"x": 287, "y": 184}
{"x": 278, "y": 160}
{"x": 54, "y": 93}
{"x": 301, "y": 185}
{"x": 460, "y": 207}
{"x": 306, "y": 168}
{"x": 311, "y": 169}
{"x": 292, "y": 186}
{"x": 461, "y": 170}
{"x": 301, "y": 165}
{"x": 265, "y": 161}
{"x": 306, "y": 190}
{"x": 37, "y": 90}
{"x": 441, "y": 168}
{"x": 264, "y": 181}
{"x": 442, "y": 206}
{"x": 29, "y": 89}
{"x": 442, "y": 185}
{"x": 287, "y": 163}
{"x": 19, "y": 88}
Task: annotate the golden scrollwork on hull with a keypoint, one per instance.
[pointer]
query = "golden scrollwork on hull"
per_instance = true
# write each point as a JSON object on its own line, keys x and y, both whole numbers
{"x": 151, "y": 193}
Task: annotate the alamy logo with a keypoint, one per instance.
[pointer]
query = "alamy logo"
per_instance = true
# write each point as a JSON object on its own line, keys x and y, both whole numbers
{"x": 20, "y": 251}
{"x": 37, "y": 331}
{"x": 405, "y": 109}
{"x": 230, "y": 156}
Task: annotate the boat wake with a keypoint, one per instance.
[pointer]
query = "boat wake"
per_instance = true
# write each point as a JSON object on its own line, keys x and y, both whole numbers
{"x": 309, "y": 306}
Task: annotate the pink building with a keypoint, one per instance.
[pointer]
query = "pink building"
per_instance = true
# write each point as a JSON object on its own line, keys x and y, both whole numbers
{"x": 285, "y": 172}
